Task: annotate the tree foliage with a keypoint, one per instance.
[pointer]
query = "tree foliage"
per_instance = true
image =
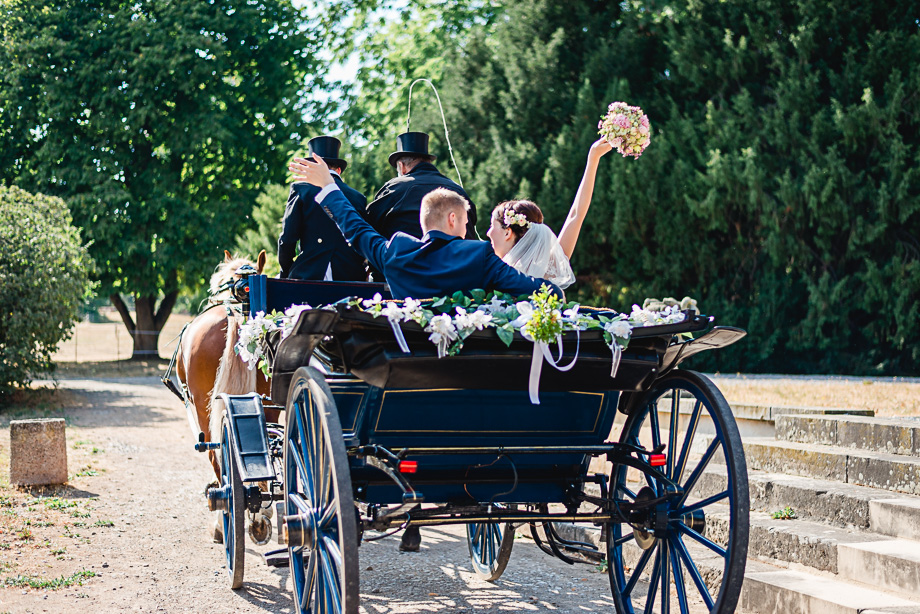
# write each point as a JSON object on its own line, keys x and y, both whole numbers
{"x": 158, "y": 122}
{"x": 781, "y": 187}
{"x": 44, "y": 271}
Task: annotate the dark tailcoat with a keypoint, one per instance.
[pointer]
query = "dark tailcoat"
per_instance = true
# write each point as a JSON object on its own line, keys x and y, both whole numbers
{"x": 321, "y": 241}
{"x": 396, "y": 206}
{"x": 435, "y": 265}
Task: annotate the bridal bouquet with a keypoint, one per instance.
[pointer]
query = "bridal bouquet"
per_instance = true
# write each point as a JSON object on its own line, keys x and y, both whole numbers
{"x": 626, "y": 128}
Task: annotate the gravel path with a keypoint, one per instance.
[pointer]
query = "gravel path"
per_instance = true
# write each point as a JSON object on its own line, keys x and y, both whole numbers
{"x": 156, "y": 556}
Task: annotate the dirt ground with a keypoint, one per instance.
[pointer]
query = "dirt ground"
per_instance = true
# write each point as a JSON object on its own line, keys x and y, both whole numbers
{"x": 129, "y": 531}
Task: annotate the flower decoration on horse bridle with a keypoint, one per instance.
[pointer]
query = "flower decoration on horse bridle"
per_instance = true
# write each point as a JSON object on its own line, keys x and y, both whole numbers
{"x": 511, "y": 218}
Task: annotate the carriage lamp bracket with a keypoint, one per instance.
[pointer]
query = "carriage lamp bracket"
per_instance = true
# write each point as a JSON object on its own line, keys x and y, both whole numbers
{"x": 204, "y": 446}
{"x": 384, "y": 460}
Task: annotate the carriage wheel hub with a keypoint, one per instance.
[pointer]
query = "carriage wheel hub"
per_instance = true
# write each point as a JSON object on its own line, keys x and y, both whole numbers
{"x": 219, "y": 498}
{"x": 299, "y": 531}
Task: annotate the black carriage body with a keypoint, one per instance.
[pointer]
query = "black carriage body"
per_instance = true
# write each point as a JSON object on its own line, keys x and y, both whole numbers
{"x": 369, "y": 424}
{"x": 492, "y": 420}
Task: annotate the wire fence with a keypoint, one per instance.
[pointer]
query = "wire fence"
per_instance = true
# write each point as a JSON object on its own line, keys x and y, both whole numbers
{"x": 94, "y": 342}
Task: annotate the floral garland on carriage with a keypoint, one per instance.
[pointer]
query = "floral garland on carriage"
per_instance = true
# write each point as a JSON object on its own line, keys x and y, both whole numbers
{"x": 541, "y": 318}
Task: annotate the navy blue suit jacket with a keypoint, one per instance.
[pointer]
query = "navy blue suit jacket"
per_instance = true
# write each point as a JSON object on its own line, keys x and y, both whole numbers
{"x": 321, "y": 241}
{"x": 435, "y": 265}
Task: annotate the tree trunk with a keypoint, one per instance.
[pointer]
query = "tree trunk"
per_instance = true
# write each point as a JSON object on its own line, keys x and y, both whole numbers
{"x": 150, "y": 321}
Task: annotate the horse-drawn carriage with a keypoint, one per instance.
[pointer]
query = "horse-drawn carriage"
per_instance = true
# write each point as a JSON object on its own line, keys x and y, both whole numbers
{"x": 378, "y": 433}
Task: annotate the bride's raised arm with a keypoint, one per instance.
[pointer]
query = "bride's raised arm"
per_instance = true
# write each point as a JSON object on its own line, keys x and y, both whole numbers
{"x": 568, "y": 236}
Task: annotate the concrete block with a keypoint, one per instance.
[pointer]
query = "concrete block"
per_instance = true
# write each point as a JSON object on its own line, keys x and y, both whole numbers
{"x": 890, "y": 436}
{"x": 892, "y": 565}
{"x": 796, "y": 458}
{"x": 38, "y": 452}
{"x": 889, "y": 471}
{"x": 806, "y": 429}
{"x": 895, "y": 517}
{"x": 795, "y": 592}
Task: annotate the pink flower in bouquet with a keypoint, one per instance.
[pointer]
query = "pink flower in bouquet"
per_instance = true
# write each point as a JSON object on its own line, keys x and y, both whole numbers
{"x": 626, "y": 128}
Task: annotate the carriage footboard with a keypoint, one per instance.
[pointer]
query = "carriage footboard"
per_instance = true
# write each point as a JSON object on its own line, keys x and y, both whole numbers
{"x": 249, "y": 437}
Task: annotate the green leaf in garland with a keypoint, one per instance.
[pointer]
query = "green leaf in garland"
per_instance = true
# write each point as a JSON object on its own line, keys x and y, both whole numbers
{"x": 478, "y": 295}
{"x": 505, "y": 332}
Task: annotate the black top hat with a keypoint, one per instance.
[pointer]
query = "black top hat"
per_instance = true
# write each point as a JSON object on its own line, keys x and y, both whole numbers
{"x": 327, "y": 148}
{"x": 414, "y": 143}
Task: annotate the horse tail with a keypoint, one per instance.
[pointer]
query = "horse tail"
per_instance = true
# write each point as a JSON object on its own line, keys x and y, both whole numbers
{"x": 233, "y": 377}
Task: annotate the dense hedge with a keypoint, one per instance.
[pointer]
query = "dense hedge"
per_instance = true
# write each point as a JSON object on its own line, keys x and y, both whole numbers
{"x": 43, "y": 279}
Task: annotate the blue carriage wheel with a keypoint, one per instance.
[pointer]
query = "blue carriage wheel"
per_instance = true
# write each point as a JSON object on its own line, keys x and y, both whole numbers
{"x": 682, "y": 555}
{"x": 234, "y": 514}
{"x": 320, "y": 521}
{"x": 490, "y": 546}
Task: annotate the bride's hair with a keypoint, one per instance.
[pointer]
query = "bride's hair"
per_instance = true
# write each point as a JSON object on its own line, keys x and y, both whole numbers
{"x": 511, "y": 214}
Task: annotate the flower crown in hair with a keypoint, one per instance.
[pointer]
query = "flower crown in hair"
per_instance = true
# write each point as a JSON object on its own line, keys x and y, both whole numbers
{"x": 512, "y": 218}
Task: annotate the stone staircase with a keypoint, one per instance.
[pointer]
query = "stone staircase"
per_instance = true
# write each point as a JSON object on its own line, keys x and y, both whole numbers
{"x": 853, "y": 481}
{"x": 855, "y": 547}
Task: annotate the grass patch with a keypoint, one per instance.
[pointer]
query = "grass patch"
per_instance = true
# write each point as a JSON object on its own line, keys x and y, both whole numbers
{"x": 103, "y": 523}
{"x": 787, "y": 513}
{"x": 52, "y": 583}
{"x": 56, "y": 503}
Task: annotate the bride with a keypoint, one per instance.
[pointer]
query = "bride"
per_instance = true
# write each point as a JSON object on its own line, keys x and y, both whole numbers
{"x": 521, "y": 239}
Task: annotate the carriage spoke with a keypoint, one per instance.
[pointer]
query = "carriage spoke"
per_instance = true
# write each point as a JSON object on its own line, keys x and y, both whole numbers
{"x": 694, "y": 572}
{"x": 701, "y": 504}
{"x": 328, "y": 517}
{"x": 688, "y": 440}
{"x": 301, "y": 470}
{"x": 653, "y": 581}
{"x": 309, "y": 583}
{"x": 622, "y": 540}
{"x": 626, "y": 491}
{"x": 329, "y": 579}
{"x": 665, "y": 577}
{"x": 672, "y": 433}
{"x": 640, "y": 566}
{"x": 678, "y": 579}
{"x": 706, "y": 542}
{"x": 653, "y": 422}
{"x": 698, "y": 471}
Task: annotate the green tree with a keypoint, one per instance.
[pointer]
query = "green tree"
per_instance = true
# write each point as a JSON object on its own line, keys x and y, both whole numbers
{"x": 158, "y": 122}
{"x": 44, "y": 272}
{"x": 266, "y": 227}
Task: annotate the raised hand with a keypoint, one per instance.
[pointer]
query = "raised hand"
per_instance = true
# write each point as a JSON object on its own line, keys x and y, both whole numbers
{"x": 313, "y": 171}
{"x": 599, "y": 148}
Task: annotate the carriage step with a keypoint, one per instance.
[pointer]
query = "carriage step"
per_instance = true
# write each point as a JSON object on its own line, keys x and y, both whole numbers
{"x": 277, "y": 558}
{"x": 784, "y": 591}
{"x": 876, "y": 469}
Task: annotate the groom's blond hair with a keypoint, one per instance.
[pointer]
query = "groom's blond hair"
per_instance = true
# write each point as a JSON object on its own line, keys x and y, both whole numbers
{"x": 437, "y": 204}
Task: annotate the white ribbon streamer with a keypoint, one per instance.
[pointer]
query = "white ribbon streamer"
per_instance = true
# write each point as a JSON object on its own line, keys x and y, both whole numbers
{"x": 615, "y": 361}
{"x": 400, "y": 337}
{"x": 541, "y": 352}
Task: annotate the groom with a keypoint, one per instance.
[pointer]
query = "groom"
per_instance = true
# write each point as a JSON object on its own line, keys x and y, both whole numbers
{"x": 438, "y": 264}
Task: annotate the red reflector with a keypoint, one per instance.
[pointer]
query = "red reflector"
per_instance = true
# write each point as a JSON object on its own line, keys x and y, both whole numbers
{"x": 246, "y": 288}
{"x": 408, "y": 466}
{"x": 657, "y": 460}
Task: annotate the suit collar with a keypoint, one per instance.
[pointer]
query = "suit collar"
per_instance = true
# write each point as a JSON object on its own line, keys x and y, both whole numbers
{"x": 424, "y": 167}
{"x": 437, "y": 234}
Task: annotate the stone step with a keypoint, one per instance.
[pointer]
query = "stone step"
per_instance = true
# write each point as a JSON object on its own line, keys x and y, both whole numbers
{"x": 891, "y": 564}
{"x": 789, "y": 591}
{"x": 834, "y": 503}
{"x": 864, "y": 567}
{"x": 803, "y": 542}
{"x": 876, "y": 469}
{"x": 889, "y": 435}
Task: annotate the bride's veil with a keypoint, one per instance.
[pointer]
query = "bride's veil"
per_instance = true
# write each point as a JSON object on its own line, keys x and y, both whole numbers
{"x": 539, "y": 254}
